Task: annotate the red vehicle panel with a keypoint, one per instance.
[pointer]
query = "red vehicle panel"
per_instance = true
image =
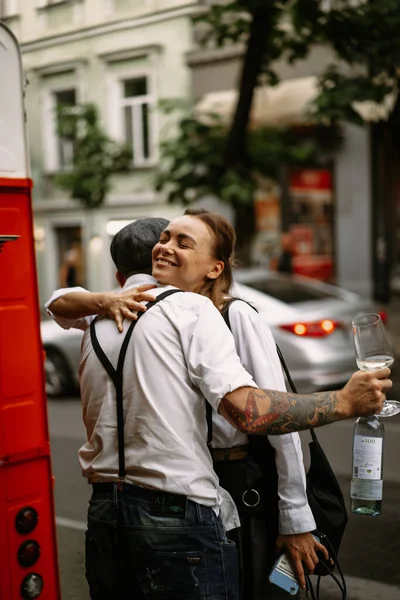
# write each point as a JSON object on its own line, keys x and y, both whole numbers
{"x": 28, "y": 554}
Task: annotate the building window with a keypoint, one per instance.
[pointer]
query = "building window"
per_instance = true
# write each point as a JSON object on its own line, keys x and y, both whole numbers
{"x": 65, "y": 150}
{"x": 58, "y": 151}
{"x": 137, "y": 107}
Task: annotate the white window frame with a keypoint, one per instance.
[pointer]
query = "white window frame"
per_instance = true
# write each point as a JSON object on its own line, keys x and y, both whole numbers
{"x": 50, "y": 136}
{"x": 117, "y": 102}
{"x": 9, "y": 8}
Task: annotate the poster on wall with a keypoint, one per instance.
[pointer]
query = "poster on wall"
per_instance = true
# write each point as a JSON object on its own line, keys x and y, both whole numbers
{"x": 311, "y": 195}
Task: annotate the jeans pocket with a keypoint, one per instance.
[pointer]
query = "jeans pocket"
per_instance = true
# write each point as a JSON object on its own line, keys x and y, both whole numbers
{"x": 166, "y": 574}
{"x": 221, "y": 533}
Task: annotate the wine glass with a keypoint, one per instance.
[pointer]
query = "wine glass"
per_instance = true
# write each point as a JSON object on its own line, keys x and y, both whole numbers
{"x": 374, "y": 352}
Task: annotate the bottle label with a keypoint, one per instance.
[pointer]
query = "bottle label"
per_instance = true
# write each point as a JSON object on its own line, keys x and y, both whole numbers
{"x": 367, "y": 459}
{"x": 366, "y": 490}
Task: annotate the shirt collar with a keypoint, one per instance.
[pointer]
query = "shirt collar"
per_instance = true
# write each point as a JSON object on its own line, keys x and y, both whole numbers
{"x": 139, "y": 279}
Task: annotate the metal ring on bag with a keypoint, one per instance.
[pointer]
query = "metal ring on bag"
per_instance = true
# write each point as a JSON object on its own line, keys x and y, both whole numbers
{"x": 256, "y": 503}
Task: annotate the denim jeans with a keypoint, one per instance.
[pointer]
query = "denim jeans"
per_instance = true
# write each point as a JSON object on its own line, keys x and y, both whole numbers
{"x": 133, "y": 554}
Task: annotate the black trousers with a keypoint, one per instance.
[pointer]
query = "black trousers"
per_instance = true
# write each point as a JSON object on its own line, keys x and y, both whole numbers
{"x": 259, "y": 529}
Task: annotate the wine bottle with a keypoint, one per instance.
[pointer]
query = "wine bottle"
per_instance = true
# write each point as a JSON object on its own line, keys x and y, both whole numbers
{"x": 367, "y": 483}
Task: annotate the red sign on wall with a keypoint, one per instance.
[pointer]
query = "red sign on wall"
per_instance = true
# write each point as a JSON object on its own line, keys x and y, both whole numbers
{"x": 312, "y": 226}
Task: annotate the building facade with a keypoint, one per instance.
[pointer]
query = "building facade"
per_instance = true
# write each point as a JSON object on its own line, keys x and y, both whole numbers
{"x": 124, "y": 56}
{"x": 127, "y": 55}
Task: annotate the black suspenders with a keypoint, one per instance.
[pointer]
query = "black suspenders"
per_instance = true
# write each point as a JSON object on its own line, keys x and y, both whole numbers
{"x": 116, "y": 376}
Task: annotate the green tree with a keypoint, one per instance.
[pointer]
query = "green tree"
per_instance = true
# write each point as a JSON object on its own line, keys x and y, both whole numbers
{"x": 95, "y": 156}
{"x": 363, "y": 37}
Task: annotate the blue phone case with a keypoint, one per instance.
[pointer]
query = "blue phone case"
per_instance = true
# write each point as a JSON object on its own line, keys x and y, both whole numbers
{"x": 283, "y": 575}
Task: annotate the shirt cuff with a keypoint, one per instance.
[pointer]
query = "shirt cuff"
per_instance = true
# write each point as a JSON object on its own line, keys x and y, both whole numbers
{"x": 65, "y": 323}
{"x": 298, "y": 520}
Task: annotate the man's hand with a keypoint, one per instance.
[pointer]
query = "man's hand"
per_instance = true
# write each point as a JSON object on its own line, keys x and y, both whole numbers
{"x": 125, "y": 305}
{"x": 301, "y": 550}
{"x": 364, "y": 393}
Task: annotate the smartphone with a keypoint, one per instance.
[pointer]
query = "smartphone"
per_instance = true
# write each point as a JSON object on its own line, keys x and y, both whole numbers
{"x": 283, "y": 576}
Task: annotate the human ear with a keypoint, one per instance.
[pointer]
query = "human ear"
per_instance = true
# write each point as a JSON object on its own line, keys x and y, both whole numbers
{"x": 215, "y": 270}
{"x": 120, "y": 278}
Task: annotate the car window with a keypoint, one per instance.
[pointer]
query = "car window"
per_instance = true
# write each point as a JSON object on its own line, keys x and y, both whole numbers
{"x": 288, "y": 291}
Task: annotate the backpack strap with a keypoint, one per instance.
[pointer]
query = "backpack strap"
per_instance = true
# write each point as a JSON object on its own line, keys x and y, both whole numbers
{"x": 225, "y": 314}
{"x": 116, "y": 375}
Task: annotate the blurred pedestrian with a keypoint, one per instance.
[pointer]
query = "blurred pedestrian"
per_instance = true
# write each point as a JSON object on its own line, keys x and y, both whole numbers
{"x": 69, "y": 269}
{"x": 285, "y": 258}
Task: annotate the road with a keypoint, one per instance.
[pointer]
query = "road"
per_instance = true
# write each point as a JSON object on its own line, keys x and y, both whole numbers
{"x": 369, "y": 552}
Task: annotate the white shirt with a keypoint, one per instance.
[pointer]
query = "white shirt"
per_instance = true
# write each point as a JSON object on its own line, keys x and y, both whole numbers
{"x": 257, "y": 350}
{"x": 180, "y": 353}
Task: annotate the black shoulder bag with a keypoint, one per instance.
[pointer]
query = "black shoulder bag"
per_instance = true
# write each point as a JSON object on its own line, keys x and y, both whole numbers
{"x": 117, "y": 378}
{"x": 324, "y": 494}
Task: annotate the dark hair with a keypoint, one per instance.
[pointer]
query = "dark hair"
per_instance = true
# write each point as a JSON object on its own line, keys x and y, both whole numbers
{"x": 224, "y": 247}
{"x": 131, "y": 247}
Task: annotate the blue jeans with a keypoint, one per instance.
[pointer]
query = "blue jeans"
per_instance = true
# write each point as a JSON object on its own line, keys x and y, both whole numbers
{"x": 133, "y": 552}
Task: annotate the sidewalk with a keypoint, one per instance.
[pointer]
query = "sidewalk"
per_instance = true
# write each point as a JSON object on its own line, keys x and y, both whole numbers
{"x": 357, "y": 589}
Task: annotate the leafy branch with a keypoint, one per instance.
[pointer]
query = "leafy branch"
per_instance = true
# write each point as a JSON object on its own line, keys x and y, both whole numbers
{"x": 96, "y": 157}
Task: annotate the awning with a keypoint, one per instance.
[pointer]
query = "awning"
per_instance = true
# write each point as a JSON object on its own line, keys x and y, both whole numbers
{"x": 286, "y": 104}
{"x": 282, "y": 105}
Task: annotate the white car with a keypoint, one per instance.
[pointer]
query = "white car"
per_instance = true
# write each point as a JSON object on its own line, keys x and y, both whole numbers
{"x": 310, "y": 321}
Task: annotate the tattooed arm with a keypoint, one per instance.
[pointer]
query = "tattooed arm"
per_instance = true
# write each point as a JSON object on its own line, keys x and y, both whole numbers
{"x": 268, "y": 412}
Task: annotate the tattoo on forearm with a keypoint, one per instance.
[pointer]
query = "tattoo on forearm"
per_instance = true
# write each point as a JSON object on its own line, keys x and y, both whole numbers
{"x": 271, "y": 412}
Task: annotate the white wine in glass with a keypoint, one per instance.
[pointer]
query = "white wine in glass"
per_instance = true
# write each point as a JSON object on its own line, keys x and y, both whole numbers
{"x": 374, "y": 351}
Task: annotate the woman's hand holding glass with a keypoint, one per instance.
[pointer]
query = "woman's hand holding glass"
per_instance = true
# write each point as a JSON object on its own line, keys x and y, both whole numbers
{"x": 374, "y": 352}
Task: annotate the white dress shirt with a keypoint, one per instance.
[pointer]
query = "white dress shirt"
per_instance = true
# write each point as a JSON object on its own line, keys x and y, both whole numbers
{"x": 180, "y": 353}
{"x": 256, "y": 348}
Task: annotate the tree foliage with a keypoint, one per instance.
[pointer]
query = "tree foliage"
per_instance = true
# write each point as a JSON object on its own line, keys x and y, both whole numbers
{"x": 362, "y": 35}
{"x": 95, "y": 156}
{"x": 192, "y": 163}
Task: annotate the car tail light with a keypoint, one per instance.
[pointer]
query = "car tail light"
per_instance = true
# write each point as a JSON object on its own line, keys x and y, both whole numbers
{"x": 321, "y": 328}
{"x": 383, "y": 316}
{"x": 28, "y": 553}
{"x": 31, "y": 586}
{"x": 26, "y": 520}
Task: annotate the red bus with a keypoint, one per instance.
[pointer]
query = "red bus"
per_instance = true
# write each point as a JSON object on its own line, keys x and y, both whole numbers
{"x": 28, "y": 553}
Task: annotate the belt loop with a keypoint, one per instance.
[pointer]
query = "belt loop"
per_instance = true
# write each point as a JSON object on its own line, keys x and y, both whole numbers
{"x": 120, "y": 483}
{"x": 199, "y": 514}
{"x": 115, "y": 495}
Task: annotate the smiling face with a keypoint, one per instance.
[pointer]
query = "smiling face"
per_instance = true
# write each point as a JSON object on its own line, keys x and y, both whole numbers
{"x": 183, "y": 257}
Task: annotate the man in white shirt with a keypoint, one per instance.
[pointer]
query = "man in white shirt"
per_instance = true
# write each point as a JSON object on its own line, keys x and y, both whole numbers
{"x": 162, "y": 531}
